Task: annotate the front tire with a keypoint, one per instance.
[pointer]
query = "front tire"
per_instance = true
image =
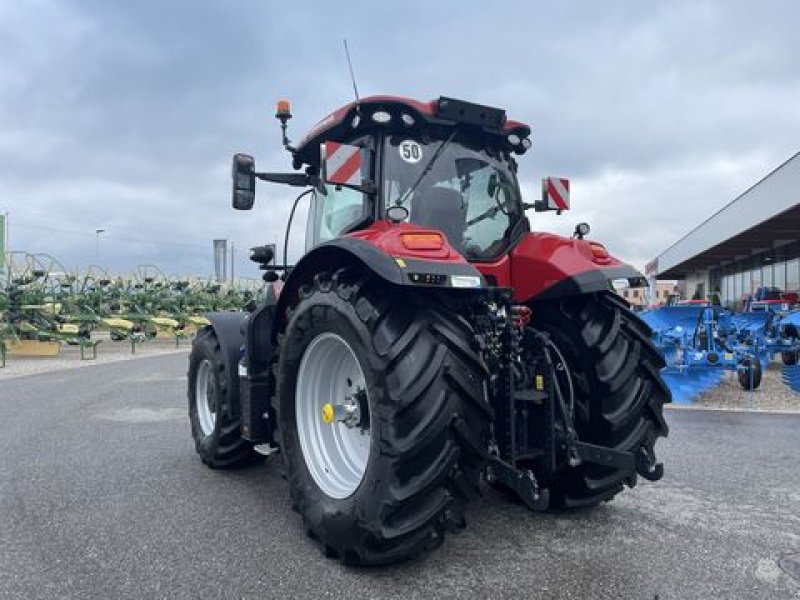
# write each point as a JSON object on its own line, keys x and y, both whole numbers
{"x": 422, "y": 415}
{"x": 619, "y": 393}
{"x": 217, "y": 437}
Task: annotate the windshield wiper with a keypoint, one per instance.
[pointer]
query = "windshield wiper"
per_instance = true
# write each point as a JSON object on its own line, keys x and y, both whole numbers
{"x": 488, "y": 214}
{"x": 400, "y": 201}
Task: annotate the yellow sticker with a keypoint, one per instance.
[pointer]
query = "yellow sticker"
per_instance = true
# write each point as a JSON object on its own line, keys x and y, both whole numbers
{"x": 400, "y": 262}
{"x": 539, "y": 382}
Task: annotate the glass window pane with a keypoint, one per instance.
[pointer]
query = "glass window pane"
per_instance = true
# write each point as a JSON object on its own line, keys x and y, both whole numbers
{"x": 341, "y": 208}
{"x": 766, "y": 275}
{"x": 779, "y": 275}
{"x": 468, "y": 194}
{"x": 756, "y": 275}
{"x": 793, "y": 275}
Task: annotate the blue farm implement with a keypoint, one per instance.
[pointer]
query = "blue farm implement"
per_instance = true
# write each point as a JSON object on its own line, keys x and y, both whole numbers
{"x": 699, "y": 343}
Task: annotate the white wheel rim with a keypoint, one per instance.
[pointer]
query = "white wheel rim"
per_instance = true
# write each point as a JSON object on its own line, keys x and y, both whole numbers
{"x": 205, "y": 397}
{"x": 336, "y": 453}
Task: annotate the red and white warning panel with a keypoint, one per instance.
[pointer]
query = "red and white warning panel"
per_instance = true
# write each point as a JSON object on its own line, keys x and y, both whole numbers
{"x": 555, "y": 193}
{"x": 343, "y": 163}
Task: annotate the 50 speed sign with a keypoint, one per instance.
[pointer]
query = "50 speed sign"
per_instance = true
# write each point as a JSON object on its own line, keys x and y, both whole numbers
{"x": 410, "y": 151}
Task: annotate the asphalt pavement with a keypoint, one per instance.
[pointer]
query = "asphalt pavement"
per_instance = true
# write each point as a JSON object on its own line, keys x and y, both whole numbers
{"x": 102, "y": 496}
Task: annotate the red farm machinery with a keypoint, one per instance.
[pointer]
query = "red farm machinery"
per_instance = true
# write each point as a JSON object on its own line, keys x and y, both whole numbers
{"x": 428, "y": 339}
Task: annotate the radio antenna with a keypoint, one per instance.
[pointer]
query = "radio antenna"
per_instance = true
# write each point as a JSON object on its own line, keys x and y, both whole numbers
{"x": 352, "y": 75}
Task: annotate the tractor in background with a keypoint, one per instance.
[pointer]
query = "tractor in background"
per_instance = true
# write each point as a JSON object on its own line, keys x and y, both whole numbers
{"x": 428, "y": 339}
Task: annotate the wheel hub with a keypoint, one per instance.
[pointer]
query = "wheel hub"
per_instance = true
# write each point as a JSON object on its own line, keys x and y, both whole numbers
{"x": 332, "y": 415}
{"x": 206, "y": 397}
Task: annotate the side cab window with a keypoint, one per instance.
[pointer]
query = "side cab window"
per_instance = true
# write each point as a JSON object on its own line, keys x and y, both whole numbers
{"x": 342, "y": 208}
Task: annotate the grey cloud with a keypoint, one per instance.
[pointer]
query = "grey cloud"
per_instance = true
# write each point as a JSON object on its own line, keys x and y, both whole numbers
{"x": 123, "y": 115}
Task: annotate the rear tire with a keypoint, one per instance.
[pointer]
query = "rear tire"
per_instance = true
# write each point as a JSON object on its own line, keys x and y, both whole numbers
{"x": 427, "y": 419}
{"x": 619, "y": 393}
{"x": 217, "y": 437}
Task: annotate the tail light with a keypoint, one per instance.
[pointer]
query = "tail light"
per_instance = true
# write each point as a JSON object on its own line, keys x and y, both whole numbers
{"x": 599, "y": 251}
{"x": 422, "y": 241}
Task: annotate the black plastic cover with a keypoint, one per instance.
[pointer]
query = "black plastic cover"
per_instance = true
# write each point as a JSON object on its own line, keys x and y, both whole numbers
{"x": 470, "y": 114}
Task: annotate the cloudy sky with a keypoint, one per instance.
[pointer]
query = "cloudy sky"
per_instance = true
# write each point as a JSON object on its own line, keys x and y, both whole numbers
{"x": 123, "y": 115}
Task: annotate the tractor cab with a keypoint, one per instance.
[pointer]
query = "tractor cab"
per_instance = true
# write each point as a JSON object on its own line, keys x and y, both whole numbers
{"x": 445, "y": 165}
{"x": 446, "y": 170}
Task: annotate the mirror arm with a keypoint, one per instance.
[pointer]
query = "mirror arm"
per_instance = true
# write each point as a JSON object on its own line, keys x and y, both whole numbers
{"x": 367, "y": 187}
{"x": 293, "y": 179}
{"x": 538, "y": 206}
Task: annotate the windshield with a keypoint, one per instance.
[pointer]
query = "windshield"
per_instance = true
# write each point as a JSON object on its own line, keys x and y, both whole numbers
{"x": 470, "y": 194}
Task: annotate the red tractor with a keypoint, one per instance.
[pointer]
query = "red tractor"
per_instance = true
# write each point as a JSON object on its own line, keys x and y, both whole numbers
{"x": 427, "y": 339}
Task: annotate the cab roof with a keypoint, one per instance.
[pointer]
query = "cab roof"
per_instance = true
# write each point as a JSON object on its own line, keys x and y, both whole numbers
{"x": 409, "y": 114}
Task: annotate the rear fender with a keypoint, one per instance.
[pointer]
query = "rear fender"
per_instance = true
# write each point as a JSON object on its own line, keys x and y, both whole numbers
{"x": 376, "y": 252}
{"x": 256, "y": 382}
{"x": 229, "y": 328}
{"x": 546, "y": 266}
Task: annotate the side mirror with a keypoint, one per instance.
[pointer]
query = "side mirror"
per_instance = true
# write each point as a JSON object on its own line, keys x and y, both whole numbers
{"x": 344, "y": 164}
{"x": 555, "y": 195}
{"x": 244, "y": 181}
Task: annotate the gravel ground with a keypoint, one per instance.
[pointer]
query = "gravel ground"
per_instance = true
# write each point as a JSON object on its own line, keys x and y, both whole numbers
{"x": 772, "y": 394}
{"x": 70, "y": 357}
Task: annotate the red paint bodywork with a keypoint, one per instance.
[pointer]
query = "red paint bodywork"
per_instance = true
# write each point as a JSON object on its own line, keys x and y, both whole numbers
{"x": 536, "y": 262}
{"x": 386, "y": 236}
{"x": 540, "y": 260}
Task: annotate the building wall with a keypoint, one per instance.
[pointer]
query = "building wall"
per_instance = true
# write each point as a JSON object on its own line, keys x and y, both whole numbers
{"x": 638, "y": 296}
{"x": 774, "y": 194}
{"x": 779, "y": 268}
{"x": 696, "y": 284}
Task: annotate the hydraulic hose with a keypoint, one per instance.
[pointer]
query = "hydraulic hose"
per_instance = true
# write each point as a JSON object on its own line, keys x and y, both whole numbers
{"x": 289, "y": 227}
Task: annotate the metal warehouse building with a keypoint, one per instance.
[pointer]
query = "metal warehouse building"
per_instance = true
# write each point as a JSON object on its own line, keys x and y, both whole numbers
{"x": 753, "y": 241}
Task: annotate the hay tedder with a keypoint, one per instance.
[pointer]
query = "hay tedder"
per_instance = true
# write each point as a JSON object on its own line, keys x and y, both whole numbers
{"x": 427, "y": 339}
{"x": 43, "y": 306}
{"x": 35, "y": 299}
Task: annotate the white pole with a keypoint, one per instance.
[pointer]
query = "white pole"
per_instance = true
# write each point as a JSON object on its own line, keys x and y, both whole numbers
{"x": 233, "y": 252}
{"x": 7, "y": 245}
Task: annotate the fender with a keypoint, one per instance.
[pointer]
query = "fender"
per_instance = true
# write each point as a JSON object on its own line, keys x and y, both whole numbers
{"x": 380, "y": 250}
{"x": 546, "y": 266}
{"x": 230, "y": 330}
{"x": 256, "y": 381}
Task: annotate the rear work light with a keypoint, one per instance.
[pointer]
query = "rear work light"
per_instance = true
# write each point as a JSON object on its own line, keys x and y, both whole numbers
{"x": 422, "y": 241}
{"x": 599, "y": 251}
